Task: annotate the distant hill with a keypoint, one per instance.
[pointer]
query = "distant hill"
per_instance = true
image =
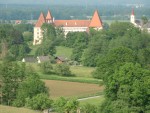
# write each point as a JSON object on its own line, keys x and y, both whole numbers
{"x": 75, "y": 2}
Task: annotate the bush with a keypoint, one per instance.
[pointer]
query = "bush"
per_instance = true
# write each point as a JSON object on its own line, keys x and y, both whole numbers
{"x": 39, "y": 102}
{"x": 46, "y": 67}
{"x": 89, "y": 108}
{"x": 63, "y": 105}
{"x": 63, "y": 70}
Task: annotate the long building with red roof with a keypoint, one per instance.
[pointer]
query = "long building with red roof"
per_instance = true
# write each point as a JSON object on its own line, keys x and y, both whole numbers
{"x": 67, "y": 25}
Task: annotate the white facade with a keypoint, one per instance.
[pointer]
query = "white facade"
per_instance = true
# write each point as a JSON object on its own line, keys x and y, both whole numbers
{"x": 74, "y": 29}
{"x": 38, "y": 36}
{"x": 132, "y": 19}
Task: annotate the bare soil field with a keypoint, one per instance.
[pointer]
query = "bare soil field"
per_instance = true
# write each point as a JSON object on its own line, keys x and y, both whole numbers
{"x": 71, "y": 89}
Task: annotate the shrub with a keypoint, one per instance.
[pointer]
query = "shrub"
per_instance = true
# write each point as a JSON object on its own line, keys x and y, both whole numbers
{"x": 46, "y": 67}
{"x": 63, "y": 70}
{"x": 39, "y": 102}
{"x": 89, "y": 108}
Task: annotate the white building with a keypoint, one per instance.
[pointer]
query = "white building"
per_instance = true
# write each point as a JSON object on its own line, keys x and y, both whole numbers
{"x": 67, "y": 25}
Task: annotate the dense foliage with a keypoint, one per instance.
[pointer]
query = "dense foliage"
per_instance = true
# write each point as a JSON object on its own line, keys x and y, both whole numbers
{"x": 13, "y": 44}
{"x": 39, "y": 102}
{"x": 51, "y": 38}
{"x": 19, "y": 83}
{"x": 62, "y": 70}
{"x": 63, "y": 105}
{"x": 122, "y": 60}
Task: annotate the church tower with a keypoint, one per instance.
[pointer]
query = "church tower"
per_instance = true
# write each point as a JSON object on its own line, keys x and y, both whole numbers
{"x": 49, "y": 18}
{"x": 132, "y": 17}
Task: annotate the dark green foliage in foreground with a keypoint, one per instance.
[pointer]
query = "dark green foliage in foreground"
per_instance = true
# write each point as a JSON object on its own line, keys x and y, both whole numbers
{"x": 29, "y": 88}
{"x": 39, "y": 102}
{"x": 63, "y": 105}
{"x": 19, "y": 83}
{"x": 127, "y": 90}
{"x": 89, "y": 108}
{"x": 11, "y": 74}
{"x": 121, "y": 55}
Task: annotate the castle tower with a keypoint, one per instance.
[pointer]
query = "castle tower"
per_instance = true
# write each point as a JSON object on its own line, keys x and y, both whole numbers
{"x": 38, "y": 35}
{"x": 49, "y": 17}
{"x": 132, "y": 17}
{"x": 96, "y": 21}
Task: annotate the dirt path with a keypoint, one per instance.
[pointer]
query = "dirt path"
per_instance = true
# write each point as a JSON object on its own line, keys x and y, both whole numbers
{"x": 88, "y": 98}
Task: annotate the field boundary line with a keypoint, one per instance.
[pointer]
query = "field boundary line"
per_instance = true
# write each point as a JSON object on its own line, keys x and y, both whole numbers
{"x": 81, "y": 99}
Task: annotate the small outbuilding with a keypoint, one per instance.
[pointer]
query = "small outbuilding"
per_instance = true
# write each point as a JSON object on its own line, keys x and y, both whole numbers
{"x": 60, "y": 59}
{"x": 41, "y": 59}
{"x": 29, "y": 59}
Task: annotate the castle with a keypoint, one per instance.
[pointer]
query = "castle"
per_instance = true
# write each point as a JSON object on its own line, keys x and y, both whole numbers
{"x": 139, "y": 23}
{"x": 66, "y": 25}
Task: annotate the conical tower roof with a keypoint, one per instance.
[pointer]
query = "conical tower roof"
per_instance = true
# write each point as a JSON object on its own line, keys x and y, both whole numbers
{"x": 40, "y": 21}
{"x": 96, "y": 20}
{"x": 49, "y": 16}
{"x": 132, "y": 12}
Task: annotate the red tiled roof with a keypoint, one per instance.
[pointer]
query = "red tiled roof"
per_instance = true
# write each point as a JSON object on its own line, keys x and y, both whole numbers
{"x": 49, "y": 16}
{"x": 96, "y": 21}
{"x": 40, "y": 21}
{"x": 72, "y": 23}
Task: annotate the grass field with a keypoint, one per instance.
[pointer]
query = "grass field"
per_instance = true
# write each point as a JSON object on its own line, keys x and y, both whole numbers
{"x": 72, "y": 79}
{"x": 71, "y": 89}
{"x": 82, "y": 71}
{"x": 63, "y": 51}
{"x": 82, "y": 74}
{"x": 8, "y": 109}
{"x": 94, "y": 101}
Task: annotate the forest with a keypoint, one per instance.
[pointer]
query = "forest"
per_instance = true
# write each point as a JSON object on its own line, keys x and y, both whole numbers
{"x": 107, "y": 12}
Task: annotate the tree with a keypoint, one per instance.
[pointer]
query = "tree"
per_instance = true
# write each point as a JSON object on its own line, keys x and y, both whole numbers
{"x": 96, "y": 47}
{"x": 77, "y": 39}
{"x": 71, "y": 106}
{"x": 63, "y": 105}
{"x": 59, "y": 105}
{"x": 27, "y": 36}
{"x": 49, "y": 32}
{"x": 16, "y": 46}
{"x": 39, "y": 102}
{"x": 46, "y": 48}
{"x": 29, "y": 88}
{"x": 89, "y": 108}
{"x": 112, "y": 61}
{"x": 128, "y": 88}
{"x": 46, "y": 67}
{"x": 11, "y": 75}
{"x": 77, "y": 54}
{"x": 63, "y": 70}
{"x": 144, "y": 20}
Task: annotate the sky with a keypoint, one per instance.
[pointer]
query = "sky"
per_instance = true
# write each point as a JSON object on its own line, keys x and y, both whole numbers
{"x": 76, "y": 2}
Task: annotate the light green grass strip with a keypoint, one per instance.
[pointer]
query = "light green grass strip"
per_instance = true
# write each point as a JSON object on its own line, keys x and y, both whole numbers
{"x": 71, "y": 79}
